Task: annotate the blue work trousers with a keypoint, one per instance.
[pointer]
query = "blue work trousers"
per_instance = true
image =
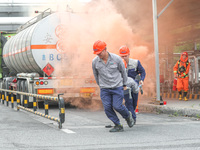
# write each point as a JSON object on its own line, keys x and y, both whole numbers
{"x": 129, "y": 105}
{"x": 113, "y": 99}
{"x": 135, "y": 99}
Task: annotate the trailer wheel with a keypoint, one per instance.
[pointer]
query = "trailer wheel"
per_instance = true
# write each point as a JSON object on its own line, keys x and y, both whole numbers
{"x": 24, "y": 88}
{"x": 30, "y": 104}
{"x": 21, "y": 89}
{"x": 41, "y": 104}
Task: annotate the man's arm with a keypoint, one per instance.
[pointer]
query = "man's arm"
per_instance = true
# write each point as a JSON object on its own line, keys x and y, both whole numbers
{"x": 123, "y": 71}
{"x": 141, "y": 71}
{"x": 95, "y": 72}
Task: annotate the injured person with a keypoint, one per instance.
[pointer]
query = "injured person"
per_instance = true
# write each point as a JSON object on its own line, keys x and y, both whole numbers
{"x": 132, "y": 87}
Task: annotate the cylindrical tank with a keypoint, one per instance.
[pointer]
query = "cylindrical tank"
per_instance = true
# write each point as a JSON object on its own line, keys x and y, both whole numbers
{"x": 35, "y": 49}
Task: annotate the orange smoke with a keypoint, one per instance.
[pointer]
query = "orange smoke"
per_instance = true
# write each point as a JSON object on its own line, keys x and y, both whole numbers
{"x": 98, "y": 20}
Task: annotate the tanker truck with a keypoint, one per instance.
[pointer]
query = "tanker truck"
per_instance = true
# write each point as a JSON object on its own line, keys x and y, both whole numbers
{"x": 33, "y": 55}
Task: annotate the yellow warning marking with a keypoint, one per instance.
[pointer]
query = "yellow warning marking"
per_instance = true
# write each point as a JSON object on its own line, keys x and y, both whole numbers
{"x": 46, "y": 106}
{"x": 34, "y": 104}
{"x": 62, "y": 110}
{"x": 25, "y": 101}
{"x": 173, "y": 95}
{"x": 164, "y": 95}
{"x": 176, "y": 95}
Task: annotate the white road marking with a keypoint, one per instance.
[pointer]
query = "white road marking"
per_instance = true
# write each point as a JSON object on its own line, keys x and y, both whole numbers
{"x": 68, "y": 131}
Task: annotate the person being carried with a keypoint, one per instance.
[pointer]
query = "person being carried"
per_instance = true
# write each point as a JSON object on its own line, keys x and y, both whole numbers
{"x": 133, "y": 68}
{"x": 181, "y": 70}
{"x": 110, "y": 75}
{"x": 132, "y": 87}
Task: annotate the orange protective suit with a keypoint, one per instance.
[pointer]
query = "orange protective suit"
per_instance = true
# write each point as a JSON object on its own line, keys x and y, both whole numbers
{"x": 182, "y": 69}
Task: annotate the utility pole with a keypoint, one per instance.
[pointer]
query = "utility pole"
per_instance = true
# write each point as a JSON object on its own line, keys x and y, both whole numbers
{"x": 156, "y": 50}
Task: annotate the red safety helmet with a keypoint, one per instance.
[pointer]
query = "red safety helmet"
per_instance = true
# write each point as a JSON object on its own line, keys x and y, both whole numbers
{"x": 124, "y": 50}
{"x": 99, "y": 46}
{"x": 185, "y": 53}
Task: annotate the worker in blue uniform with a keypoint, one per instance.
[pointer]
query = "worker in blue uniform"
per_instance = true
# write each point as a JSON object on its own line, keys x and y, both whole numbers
{"x": 133, "y": 68}
{"x": 110, "y": 74}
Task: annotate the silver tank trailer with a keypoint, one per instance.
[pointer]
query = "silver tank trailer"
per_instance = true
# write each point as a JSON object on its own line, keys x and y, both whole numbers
{"x": 32, "y": 49}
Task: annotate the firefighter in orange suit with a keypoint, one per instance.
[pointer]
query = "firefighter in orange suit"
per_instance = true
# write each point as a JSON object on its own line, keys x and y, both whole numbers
{"x": 181, "y": 70}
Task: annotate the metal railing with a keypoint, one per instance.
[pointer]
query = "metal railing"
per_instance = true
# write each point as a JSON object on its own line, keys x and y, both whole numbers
{"x": 58, "y": 99}
{"x": 39, "y": 17}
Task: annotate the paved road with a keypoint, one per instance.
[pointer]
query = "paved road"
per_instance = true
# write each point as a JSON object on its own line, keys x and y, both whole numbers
{"x": 84, "y": 129}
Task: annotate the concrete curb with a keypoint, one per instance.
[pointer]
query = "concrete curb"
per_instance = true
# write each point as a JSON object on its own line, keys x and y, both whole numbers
{"x": 175, "y": 95}
{"x": 169, "y": 110}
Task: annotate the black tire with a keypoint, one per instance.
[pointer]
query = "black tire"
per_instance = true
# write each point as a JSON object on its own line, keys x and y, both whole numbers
{"x": 30, "y": 104}
{"x": 21, "y": 89}
{"x": 41, "y": 104}
{"x": 24, "y": 88}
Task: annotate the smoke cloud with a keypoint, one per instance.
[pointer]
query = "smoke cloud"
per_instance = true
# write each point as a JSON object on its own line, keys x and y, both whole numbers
{"x": 99, "y": 20}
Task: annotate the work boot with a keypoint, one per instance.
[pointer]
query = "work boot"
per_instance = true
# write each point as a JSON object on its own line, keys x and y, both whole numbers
{"x": 134, "y": 121}
{"x": 185, "y": 99}
{"x": 130, "y": 120}
{"x": 180, "y": 97}
{"x": 117, "y": 128}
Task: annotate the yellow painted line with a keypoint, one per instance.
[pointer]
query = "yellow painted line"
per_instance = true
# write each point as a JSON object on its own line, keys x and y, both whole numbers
{"x": 164, "y": 95}
{"x": 168, "y": 95}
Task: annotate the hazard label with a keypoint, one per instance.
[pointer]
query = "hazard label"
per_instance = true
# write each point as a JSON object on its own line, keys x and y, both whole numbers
{"x": 48, "y": 69}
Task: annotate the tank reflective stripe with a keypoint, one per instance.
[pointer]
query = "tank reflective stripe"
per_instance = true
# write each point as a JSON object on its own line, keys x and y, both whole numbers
{"x": 175, "y": 71}
{"x": 43, "y": 46}
{"x": 184, "y": 73}
{"x": 184, "y": 76}
{"x": 31, "y": 47}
